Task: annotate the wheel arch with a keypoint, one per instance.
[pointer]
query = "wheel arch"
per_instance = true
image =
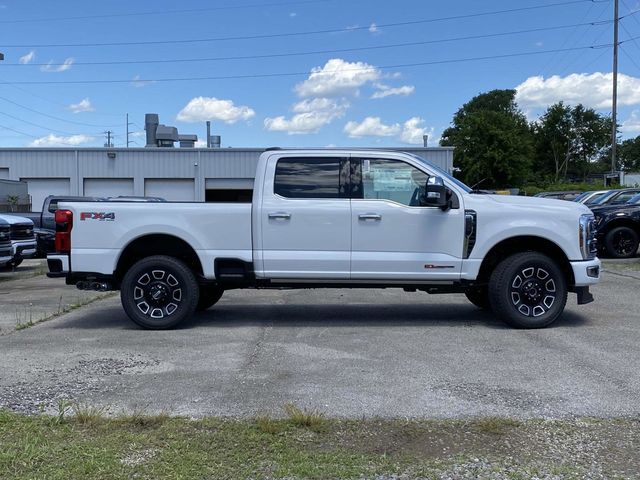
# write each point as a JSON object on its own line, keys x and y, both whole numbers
{"x": 520, "y": 244}
{"x": 156, "y": 244}
{"x": 621, "y": 222}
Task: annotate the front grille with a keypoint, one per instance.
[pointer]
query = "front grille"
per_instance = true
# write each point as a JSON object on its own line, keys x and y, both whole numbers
{"x": 5, "y": 234}
{"x": 22, "y": 231}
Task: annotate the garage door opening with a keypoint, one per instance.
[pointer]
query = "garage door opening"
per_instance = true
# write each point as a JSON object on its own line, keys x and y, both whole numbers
{"x": 234, "y": 190}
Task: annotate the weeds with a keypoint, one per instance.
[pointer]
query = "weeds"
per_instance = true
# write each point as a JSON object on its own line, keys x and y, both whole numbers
{"x": 88, "y": 414}
{"x": 64, "y": 407}
{"x": 311, "y": 419}
{"x": 495, "y": 425}
{"x": 267, "y": 424}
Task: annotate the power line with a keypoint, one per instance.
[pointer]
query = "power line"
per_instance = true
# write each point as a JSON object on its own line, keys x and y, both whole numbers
{"x": 37, "y": 125}
{"x": 291, "y": 74}
{"x": 630, "y": 57}
{"x": 308, "y": 32}
{"x": 317, "y": 52}
{"x": 47, "y": 115}
{"x": 165, "y": 12}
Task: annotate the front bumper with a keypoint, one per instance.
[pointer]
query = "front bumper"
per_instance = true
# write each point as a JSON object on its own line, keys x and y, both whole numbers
{"x": 5, "y": 255}
{"x": 586, "y": 272}
{"x": 23, "y": 248}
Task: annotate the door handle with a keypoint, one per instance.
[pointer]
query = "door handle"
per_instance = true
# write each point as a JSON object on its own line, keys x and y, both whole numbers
{"x": 280, "y": 215}
{"x": 370, "y": 216}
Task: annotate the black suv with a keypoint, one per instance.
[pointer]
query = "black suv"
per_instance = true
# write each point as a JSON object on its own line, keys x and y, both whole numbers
{"x": 618, "y": 228}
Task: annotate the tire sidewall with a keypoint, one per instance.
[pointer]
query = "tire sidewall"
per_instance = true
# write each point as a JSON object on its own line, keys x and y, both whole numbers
{"x": 209, "y": 296}
{"x": 186, "y": 281}
{"x": 500, "y": 290}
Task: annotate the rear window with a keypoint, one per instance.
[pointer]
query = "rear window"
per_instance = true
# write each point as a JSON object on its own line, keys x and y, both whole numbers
{"x": 312, "y": 178}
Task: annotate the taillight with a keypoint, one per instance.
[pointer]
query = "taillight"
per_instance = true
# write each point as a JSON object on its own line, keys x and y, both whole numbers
{"x": 64, "y": 223}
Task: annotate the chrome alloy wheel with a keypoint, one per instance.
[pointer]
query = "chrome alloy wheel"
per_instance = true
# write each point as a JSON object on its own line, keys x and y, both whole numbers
{"x": 157, "y": 293}
{"x": 533, "y": 291}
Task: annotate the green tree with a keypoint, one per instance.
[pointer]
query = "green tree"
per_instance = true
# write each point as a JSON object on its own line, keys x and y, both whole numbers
{"x": 628, "y": 153}
{"x": 493, "y": 140}
{"x": 569, "y": 141}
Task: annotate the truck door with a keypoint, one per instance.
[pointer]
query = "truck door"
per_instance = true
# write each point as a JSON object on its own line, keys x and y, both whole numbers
{"x": 306, "y": 218}
{"x": 394, "y": 238}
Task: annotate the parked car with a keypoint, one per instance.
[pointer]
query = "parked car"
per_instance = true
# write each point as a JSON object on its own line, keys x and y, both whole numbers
{"x": 334, "y": 219}
{"x": 5, "y": 243}
{"x": 618, "y": 229}
{"x": 616, "y": 197}
{"x": 23, "y": 239}
{"x": 563, "y": 195}
{"x": 45, "y": 241}
{"x": 590, "y": 197}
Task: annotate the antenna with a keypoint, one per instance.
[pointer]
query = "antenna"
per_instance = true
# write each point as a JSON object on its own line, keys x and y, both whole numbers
{"x": 108, "y": 133}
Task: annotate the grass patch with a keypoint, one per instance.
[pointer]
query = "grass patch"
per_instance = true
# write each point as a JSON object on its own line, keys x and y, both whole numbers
{"x": 90, "y": 445}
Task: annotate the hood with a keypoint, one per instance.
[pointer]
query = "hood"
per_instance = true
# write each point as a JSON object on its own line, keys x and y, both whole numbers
{"x": 14, "y": 220}
{"x": 605, "y": 209}
{"x": 541, "y": 202}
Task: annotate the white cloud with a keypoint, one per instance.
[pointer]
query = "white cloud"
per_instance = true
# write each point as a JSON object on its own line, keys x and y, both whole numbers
{"x": 310, "y": 116}
{"x": 410, "y": 131}
{"x": 83, "y": 105}
{"x": 373, "y": 29}
{"x": 139, "y": 83}
{"x": 293, "y": 15}
{"x": 413, "y": 131}
{"x": 337, "y": 78}
{"x": 58, "y": 67}
{"x": 592, "y": 90}
{"x": 200, "y": 109}
{"x": 371, "y": 127}
{"x": 387, "y": 91}
{"x": 631, "y": 125}
{"x": 52, "y": 140}
{"x": 28, "y": 58}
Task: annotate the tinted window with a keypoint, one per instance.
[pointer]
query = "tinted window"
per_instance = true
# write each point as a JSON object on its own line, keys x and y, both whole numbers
{"x": 312, "y": 178}
{"x": 392, "y": 180}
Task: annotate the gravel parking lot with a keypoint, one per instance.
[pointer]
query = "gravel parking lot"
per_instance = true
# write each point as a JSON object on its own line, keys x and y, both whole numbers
{"x": 357, "y": 353}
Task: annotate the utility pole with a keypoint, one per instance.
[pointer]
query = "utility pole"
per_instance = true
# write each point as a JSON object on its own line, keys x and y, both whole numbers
{"x": 128, "y": 123}
{"x": 108, "y": 134}
{"x": 614, "y": 110}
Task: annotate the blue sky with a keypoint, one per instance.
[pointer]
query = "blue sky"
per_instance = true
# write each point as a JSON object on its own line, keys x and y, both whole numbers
{"x": 305, "y": 93}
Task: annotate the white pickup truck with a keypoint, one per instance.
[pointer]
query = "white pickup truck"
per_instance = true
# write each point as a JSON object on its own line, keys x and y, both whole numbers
{"x": 340, "y": 219}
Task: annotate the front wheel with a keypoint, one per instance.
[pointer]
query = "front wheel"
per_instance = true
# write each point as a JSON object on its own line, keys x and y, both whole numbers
{"x": 159, "y": 292}
{"x": 621, "y": 242}
{"x": 528, "y": 290}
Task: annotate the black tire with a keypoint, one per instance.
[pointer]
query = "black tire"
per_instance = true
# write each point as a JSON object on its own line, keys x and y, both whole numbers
{"x": 528, "y": 290}
{"x": 159, "y": 292}
{"x": 479, "y": 296}
{"x": 13, "y": 264}
{"x": 209, "y": 296}
{"x": 621, "y": 242}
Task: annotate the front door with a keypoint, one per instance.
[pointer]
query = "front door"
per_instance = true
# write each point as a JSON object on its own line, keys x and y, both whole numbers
{"x": 306, "y": 218}
{"x": 393, "y": 237}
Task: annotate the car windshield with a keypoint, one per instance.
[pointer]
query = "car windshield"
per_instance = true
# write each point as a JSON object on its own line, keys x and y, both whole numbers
{"x": 443, "y": 173}
{"x": 594, "y": 200}
{"x": 581, "y": 196}
{"x": 604, "y": 198}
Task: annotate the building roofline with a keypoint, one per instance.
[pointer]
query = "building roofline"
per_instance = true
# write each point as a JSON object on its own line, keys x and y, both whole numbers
{"x": 228, "y": 149}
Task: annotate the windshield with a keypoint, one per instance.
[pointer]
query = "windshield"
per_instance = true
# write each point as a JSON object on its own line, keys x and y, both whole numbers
{"x": 604, "y": 198}
{"x": 581, "y": 196}
{"x": 442, "y": 173}
{"x": 634, "y": 200}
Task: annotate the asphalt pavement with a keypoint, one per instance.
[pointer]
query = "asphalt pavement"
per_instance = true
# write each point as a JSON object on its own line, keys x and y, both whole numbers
{"x": 347, "y": 353}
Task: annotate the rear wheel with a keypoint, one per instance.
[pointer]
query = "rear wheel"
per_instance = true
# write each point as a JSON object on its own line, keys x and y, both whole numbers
{"x": 479, "y": 296}
{"x": 159, "y": 292}
{"x": 209, "y": 296}
{"x": 528, "y": 290}
{"x": 621, "y": 242}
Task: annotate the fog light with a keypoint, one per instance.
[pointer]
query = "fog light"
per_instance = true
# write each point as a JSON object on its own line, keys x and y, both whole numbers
{"x": 593, "y": 272}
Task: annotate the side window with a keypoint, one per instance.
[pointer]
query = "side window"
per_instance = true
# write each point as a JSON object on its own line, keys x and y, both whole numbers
{"x": 312, "y": 177}
{"x": 392, "y": 180}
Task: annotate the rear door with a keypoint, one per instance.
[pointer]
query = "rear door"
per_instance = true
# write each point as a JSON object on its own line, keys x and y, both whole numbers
{"x": 306, "y": 218}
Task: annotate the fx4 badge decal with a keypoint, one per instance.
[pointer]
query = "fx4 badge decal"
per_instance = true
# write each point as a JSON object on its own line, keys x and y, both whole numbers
{"x": 100, "y": 216}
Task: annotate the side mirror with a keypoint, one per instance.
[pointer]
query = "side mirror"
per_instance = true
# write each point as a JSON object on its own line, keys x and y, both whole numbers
{"x": 435, "y": 193}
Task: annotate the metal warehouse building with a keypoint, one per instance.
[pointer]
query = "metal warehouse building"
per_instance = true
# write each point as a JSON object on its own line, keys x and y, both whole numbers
{"x": 187, "y": 174}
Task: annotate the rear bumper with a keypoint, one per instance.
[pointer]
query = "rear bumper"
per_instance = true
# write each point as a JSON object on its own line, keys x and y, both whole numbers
{"x": 58, "y": 265}
{"x": 586, "y": 272}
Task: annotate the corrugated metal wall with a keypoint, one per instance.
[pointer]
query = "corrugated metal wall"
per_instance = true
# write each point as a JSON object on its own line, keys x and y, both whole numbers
{"x": 139, "y": 164}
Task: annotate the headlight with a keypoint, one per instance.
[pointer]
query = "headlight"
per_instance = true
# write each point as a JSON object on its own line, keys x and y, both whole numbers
{"x": 587, "y": 234}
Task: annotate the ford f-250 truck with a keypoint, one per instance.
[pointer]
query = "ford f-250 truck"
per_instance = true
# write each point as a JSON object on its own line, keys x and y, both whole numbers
{"x": 334, "y": 218}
